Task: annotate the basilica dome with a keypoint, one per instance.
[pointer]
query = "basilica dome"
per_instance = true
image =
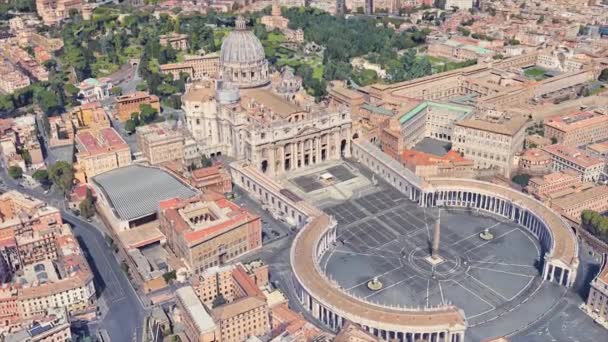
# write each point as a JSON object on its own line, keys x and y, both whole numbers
{"x": 242, "y": 59}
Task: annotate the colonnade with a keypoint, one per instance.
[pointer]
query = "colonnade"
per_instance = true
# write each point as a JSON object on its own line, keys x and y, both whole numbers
{"x": 335, "y": 320}
{"x": 553, "y": 270}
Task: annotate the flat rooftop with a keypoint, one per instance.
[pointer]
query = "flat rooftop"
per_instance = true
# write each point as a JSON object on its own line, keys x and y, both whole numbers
{"x": 134, "y": 191}
{"x": 104, "y": 140}
{"x": 196, "y": 310}
{"x": 573, "y": 155}
{"x": 578, "y": 120}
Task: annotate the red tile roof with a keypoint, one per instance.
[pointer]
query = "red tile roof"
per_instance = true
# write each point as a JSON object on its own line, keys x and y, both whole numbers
{"x": 106, "y": 139}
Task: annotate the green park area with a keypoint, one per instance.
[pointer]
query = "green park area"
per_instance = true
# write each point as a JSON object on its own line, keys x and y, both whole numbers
{"x": 440, "y": 64}
{"x": 535, "y": 73}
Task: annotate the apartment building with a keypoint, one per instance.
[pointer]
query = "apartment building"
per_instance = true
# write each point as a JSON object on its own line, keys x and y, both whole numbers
{"x": 490, "y": 140}
{"x": 198, "y": 323}
{"x": 99, "y": 151}
{"x": 565, "y": 157}
{"x": 240, "y": 308}
{"x": 577, "y": 129}
{"x": 160, "y": 143}
{"x": 208, "y": 230}
{"x": 572, "y": 205}
{"x": 91, "y": 115}
{"x": 130, "y": 103}
{"x": 427, "y": 165}
{"x": 11, "y": 79}
{"x": 45, "y": 265}
{"x": 597, "y": 302}
{"x": 53, "y": 327}
{"x": 547, "y": 186}
{"x": 18, "y": 134}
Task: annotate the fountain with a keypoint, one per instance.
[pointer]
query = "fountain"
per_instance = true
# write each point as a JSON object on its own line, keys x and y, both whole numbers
{"x": 486, "y": 235}
{"x": 374, "y": 284}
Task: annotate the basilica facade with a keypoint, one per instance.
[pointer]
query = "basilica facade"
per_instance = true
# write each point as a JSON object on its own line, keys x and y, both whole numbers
{"x": 268, "y": 121}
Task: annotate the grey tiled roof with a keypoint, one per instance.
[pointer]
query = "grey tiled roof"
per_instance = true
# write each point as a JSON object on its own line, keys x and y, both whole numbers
{"x": 135, "y": 191}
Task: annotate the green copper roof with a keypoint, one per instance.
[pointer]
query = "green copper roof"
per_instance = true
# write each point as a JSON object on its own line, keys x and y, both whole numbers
{"x": 408, "y": 115}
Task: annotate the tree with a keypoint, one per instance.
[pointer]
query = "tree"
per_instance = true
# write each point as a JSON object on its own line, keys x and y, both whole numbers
{"x": 87, "y": 206}
{"x": 26, "y": 156}
{"x": 15, "y": 172}
{"x": 41, "y": 176}
{"x": 61, "y": 175}
{"x": 168, "y": 276}
{"x": 553, "y": 140}
{"x": 465, "y": 32}
{"x": 130, "y": 126}
{"x": 116, "y": 91}
{"x": 260, "y": 32}
{"x": 147, "y": 114}
{"x": 603, "y": 75}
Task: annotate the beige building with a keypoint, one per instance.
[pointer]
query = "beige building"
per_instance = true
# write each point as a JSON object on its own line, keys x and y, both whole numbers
{"x": 160, "y": 143}
{"x": 40, "y": 253}
{"x": 554, "y": 184}
{"x": 54, "y": 11}
{"x": 240, "y": 308}
{"x": 197, "y": 67}
{"x": 130, "y": 103}
{"x": 11, "y": 79}
{"x": 566, "y": 157}
{"x": 597, "y": 302}
{"x": 100, "y": 151}
{"x": 52, "y": 327}
{"x": 175, "y": 40}
{"x": 458, "y": 51}
{"x": 577, "y": 129}
{"x": 427, "y": 165}
{"x": 491, "y": 140}
{"x": 535, "y": 161}
{"x": 572, "y": 205}
{"x": 198, "y": 323}
{"x": 208, "y": 230}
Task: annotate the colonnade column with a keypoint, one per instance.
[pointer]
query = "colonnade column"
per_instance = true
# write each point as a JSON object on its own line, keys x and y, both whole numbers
{"x": 318, "y": 149}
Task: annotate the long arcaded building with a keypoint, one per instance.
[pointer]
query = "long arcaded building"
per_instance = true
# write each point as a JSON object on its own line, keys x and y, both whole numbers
{"x": 333, "y": 306}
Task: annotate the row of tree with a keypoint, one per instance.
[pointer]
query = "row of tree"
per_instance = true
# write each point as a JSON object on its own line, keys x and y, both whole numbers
{"x": 596, "y": 224}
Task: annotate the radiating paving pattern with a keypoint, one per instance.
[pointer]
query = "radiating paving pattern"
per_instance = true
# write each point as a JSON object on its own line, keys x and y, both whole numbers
{"x": 386, "y": 236}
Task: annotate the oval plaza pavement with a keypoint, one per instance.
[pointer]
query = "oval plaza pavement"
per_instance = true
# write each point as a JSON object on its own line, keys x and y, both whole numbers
{"x": 333, "y": 306}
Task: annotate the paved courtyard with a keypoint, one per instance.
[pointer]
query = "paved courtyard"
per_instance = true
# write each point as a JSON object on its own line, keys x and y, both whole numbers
{"x": 384, "y": 235}
{"x": 312, "y": 182}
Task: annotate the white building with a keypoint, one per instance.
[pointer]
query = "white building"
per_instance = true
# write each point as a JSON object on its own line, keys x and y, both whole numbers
{"x": 242, "y": 117}
{"x": 92, "y": 90}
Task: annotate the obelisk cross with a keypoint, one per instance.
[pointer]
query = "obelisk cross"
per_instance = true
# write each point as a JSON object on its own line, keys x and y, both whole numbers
{"x": 436, "y": 237}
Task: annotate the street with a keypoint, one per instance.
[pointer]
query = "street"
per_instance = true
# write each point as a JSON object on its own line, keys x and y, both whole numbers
{"x": 122, "y": 311}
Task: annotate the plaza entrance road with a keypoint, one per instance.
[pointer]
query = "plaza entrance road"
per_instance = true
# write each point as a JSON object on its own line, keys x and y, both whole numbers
{"x": 123, "y": 312}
